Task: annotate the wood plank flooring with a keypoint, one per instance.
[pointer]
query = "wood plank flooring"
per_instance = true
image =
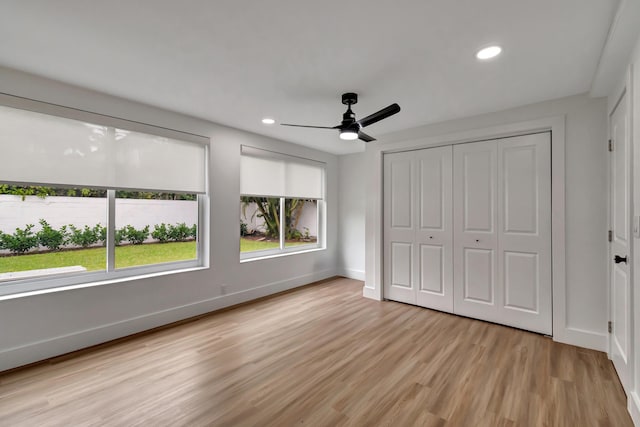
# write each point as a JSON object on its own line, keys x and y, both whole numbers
{"x": 322, "y": 356}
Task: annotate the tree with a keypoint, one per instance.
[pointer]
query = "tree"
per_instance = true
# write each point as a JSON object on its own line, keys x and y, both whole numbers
{"x": 268, "y": 208}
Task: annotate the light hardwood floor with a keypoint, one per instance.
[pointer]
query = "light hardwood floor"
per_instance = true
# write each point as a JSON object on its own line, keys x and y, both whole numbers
{"x": 321, "y": 356}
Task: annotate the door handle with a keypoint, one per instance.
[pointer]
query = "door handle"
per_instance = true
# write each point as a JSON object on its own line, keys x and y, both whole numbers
{"x": 618, "y": 259}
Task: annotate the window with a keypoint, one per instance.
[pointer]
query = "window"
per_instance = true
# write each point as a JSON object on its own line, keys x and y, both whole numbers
{"x": 281, "y": 203}
{"x": 51, "y": 230}
{"x": 154, "y": 228}
{"x": 92, "y": 198}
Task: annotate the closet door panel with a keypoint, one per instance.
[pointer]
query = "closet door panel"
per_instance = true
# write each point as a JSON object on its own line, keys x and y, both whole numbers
{"x": 478, "y": 275}
{"x": 475, "y": 230}
{"x": 434, "y": 233}
{"x": 432, "y": 269}
{"x": 399, "y": 228}
{"x": 524, "y": 216}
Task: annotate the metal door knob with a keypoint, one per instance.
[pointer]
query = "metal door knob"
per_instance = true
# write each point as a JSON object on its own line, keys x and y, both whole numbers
{"x": 618, "y": 259}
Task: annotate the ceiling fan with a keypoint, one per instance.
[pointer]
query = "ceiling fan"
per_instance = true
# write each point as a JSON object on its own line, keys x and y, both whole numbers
{"x": 350, "y": 128}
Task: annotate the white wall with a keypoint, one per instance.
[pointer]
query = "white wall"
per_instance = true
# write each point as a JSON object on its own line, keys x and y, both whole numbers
{"x": 586, "y": 205}
{"x": 352, "y": 205}
{"x": 40, "y": 326}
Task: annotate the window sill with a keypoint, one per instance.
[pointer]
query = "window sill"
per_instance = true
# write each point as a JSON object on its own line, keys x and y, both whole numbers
{"x": 63, "y": 288}
{"x": 281, "y": 254}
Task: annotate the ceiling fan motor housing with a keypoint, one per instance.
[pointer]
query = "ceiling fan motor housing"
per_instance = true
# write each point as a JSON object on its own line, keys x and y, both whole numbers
{"x": 349, "y": 117}
{"x": 349, "y": 98}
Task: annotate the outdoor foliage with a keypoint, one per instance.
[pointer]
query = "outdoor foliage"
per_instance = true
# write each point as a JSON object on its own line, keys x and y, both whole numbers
{"x": 23, "y": 192}
{"x": 269, "y": 210}
{"x": 43, "y": 192}
{"x": 179, "y": 232}
{"x": 101, "y": 234}
{"x": 21, "y": 241}
{"x": 160, "y": 233}
{"x": 51, "y": 238}
{"x": 174, "y": 233}
{"x": 84, "y": 237}
{"x": 134, "y": 236}
{"x": 120, "y": 235}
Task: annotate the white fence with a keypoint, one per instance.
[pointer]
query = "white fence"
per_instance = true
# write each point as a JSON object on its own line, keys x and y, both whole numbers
{"x": 81, "y": 211}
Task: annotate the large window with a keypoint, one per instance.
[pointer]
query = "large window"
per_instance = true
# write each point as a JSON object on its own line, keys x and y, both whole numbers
{"x": 281, "y": 203}
{"x": 92, "y": 198}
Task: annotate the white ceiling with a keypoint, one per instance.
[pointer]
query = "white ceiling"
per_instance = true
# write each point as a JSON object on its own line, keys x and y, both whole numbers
{"x": 236, "y": 61}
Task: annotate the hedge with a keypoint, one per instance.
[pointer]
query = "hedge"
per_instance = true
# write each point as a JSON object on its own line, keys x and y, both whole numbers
{"x": 23, "y": 240}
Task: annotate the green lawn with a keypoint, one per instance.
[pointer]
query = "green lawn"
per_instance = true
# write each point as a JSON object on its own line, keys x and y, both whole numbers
{"x": 248, "y": 245}
{"x": 95, "y": 258}
{"x": 126, "y": 256}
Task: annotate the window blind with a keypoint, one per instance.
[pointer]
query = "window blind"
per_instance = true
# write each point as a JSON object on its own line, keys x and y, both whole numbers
{"x": 44, "y": 149}
{"x": 269, "y": 174}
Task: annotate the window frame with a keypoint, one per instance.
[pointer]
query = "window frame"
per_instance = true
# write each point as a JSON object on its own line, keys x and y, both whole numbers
{"x": 41, "y": 284}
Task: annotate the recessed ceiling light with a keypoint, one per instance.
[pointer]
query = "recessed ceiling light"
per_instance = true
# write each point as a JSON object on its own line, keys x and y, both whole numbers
{"x": 268, "y": 121}
{"x": 489, "y": 52}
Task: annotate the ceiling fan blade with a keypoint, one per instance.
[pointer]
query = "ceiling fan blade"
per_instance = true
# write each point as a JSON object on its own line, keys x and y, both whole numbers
{"x": 366, "y": 138}
{"x": 379, "y": 115}
{"x": 305, "y": 126}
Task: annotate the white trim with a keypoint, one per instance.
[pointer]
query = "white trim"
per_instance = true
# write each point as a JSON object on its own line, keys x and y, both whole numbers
{"x": 55, "y": 346}
{"x": 370, "y": 293}
{"x": 17, "y": 288}
{"x": 91, "y": 283}
{"x": 373, "y": 227}
{"x": 276, "y": 253}
{"x": 352, "y": 273}
{"x": 633, "y": 406}
{"x": 582, "y": 338}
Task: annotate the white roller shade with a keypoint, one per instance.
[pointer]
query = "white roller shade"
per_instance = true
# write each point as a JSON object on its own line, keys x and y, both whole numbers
{"x": 144, "y": 161}
{"x": 38, "y": 148}
{"x": 269, "y": 174}
{"x": 45, "y": 149}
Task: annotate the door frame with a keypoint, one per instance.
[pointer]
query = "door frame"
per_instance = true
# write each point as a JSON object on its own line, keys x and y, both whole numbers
{"x": 374, "y": 153}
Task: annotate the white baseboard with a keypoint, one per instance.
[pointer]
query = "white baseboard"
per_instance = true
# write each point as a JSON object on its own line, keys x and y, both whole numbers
{"x": 633, "y": 406}
{"x": 55, "y": 346}
{"x": 370, "y": 293}
{"x": 582, "y": 338}
{"x": 352, "y": 273}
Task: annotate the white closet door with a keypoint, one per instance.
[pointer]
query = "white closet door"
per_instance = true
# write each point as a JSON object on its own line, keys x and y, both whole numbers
{"x": 399, "y": 227}
{"x": 475, "y": 230}
{"x": 502, "y": 231}
{"x": 524, "y": 236}
{"x": 434, "y": 232}
{"x": 418, "y": 233}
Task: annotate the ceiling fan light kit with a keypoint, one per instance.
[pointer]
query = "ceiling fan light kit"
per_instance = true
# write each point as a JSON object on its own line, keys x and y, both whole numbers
{"x": 350, "y": 128}
{"x": 348, "y": 135}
